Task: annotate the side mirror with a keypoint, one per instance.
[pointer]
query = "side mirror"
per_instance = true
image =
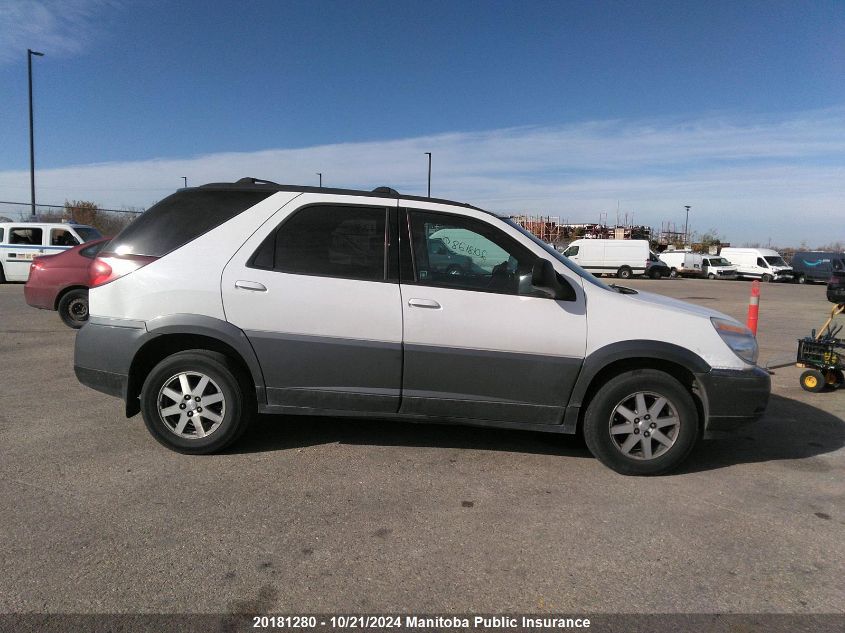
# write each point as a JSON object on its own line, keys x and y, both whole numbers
{"x": 545, "y": 279}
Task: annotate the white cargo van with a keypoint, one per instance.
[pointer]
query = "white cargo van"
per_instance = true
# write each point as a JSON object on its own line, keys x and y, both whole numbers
{"x": 764, "y": 264}
{"x": 718, "y": 268}
{"x": 21, "y": 242}
{"x": 623, "y": 258}
{"x": 683, "y": 263}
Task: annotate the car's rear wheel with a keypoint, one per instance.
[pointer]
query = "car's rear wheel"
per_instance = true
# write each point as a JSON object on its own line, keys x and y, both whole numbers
{"x": 73, "y": 308}
{"x": 624, "y": 272}
{"x": 801, "y": 279}
{"x": 655, "y": 274}
{"x": 2, "y": 275}
{"x": 642, "y": 422}
{"x": 673, "y": 273}
{"x": 196, "y": 402}
{"x": 766, "y": 278}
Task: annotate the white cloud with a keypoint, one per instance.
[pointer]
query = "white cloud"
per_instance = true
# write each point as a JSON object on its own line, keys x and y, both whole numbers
{"x": 59, "y": 27}
{"x": 782, "y": 178}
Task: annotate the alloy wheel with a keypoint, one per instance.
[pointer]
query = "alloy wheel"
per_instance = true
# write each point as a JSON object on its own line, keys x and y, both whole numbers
{"x": 644, "y": 425}
{"x": 191, "y": 405}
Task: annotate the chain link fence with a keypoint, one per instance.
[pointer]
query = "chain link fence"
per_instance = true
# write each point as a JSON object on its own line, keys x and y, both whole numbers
{"x": 107, "y": 221}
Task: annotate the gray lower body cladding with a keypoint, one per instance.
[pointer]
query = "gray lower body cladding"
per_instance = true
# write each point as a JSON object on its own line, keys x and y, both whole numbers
{"x": 104, "y": 352}
{"x": 312, "y": 374}
{"x": 734, "y": 397}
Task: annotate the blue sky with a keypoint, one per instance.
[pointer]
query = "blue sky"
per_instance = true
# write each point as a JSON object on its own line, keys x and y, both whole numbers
{"x": 561, "y": 108}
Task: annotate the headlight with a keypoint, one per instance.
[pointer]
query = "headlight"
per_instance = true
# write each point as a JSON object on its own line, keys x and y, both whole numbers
{"x": 739, "y": 338}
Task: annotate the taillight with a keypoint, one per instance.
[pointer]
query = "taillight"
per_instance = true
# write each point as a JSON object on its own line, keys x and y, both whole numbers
{"x": 111, "y": 267}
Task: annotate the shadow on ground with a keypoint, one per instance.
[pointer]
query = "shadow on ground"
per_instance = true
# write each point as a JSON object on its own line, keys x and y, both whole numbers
{"x": 790, "y": 430}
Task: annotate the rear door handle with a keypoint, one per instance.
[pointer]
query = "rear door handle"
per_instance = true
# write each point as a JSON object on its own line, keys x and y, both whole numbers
{"x": 424, "y": 303}
{"x": 250, "y": 285}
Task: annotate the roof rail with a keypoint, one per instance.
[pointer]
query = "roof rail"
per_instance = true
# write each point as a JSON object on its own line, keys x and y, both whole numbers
{"x": 386, "y": 190}
{"x": 256, "y": 181}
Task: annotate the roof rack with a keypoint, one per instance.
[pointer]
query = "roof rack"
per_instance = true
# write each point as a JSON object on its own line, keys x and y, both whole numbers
{"x": 246, "y": 184}
{"x": 386, "y": 191}
{"x": 256, "y": 181}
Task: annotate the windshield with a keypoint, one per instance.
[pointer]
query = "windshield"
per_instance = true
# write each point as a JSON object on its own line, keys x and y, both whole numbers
{"x": 719, "y": 261}
{"x": 775, "y": 261}
{"x": 87, "y": 233}
{"x": 559, "y": 257}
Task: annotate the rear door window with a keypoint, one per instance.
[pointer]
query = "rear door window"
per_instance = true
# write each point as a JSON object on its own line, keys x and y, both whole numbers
{"x": 26, "y": 235}
{"x": 181, "y": 218}
{"x": 328, "y": 241}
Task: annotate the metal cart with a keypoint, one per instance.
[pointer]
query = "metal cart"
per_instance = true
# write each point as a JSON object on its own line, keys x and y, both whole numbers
{"x": 822, "y": 356}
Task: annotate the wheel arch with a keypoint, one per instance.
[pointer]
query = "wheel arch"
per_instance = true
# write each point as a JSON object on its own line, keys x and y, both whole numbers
{"x": 168, "y": 335}
{"x": 616, "y": 358}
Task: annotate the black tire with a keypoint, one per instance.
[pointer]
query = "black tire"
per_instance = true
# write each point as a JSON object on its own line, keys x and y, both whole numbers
{"x": 624, "y": 272}
{"x": 73, "y": 308}
{"x": 601, "y": 415}
{"x": 767, "y": 278}
{"x": 711, "y": 276}
{"x": 2, "y": 275}
{"x": 836, "y": 378}
{"x": 813, "y": 380}
{"x": 801, "y": 279}
{"x": 673, "y": 274}
{"x": 655, "y": 274}
{"x": 238, "y": 411}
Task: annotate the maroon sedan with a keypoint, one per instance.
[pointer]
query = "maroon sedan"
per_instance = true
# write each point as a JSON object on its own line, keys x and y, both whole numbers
{"x": 60, "y": 282}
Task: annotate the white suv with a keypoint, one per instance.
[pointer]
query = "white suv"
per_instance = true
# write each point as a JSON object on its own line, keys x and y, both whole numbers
{"x": 235, "y": 298}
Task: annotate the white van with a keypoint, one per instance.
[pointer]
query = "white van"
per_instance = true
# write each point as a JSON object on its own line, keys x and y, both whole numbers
{"x": 717, "y": 268}
{"x": 623, "y": 258}
{"x": 683, "y": 263}
{"x": 283, "y": 299}
{"x": 764, "y": 264}
{"x": 21, "y": 242}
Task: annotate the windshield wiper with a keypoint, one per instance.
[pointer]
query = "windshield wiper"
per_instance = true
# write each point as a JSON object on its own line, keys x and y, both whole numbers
{"x": 623, "y": 290}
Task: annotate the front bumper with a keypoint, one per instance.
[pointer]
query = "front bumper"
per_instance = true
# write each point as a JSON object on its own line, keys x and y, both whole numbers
{"x": 733, "y": 397}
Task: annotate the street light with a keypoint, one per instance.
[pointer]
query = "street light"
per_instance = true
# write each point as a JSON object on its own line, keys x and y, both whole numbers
{"x": 185, "y": 178}
{"x": 429, "y": 173}
{"x": 29, "y": 54}
{"x": 320, "y": 174}
{"x": 686, "y": 226}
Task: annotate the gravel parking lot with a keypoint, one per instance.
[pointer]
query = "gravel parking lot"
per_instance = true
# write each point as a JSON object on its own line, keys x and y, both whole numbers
{"x": 327, "y": 515}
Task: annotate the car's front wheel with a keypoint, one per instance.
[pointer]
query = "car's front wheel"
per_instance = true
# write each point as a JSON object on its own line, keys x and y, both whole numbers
{"x": 196, "y": 402}
{"x": 641, "y": 422}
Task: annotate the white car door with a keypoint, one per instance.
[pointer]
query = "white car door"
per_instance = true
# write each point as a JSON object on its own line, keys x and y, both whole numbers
{"x": 313, "y": 291}
{"x": 482, "y": 344}
{"x": 23, "y": 244}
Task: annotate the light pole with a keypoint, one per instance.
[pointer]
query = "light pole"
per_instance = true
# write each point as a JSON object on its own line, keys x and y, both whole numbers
{"x": 429, "y": 173}
{"x": 29, "y": 54}
{"x": 185, "y": 178}
{"x": 320, "y": 174}
{"x": 686, "y": 227}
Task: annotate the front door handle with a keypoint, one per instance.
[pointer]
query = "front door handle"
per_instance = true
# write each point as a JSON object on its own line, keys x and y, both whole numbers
{"x": 250, "y": 285}
{"x": 424, "y": 303}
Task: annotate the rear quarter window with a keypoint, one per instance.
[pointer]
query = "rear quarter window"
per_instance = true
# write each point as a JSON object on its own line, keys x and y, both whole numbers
{"x": 181, "y": 218}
